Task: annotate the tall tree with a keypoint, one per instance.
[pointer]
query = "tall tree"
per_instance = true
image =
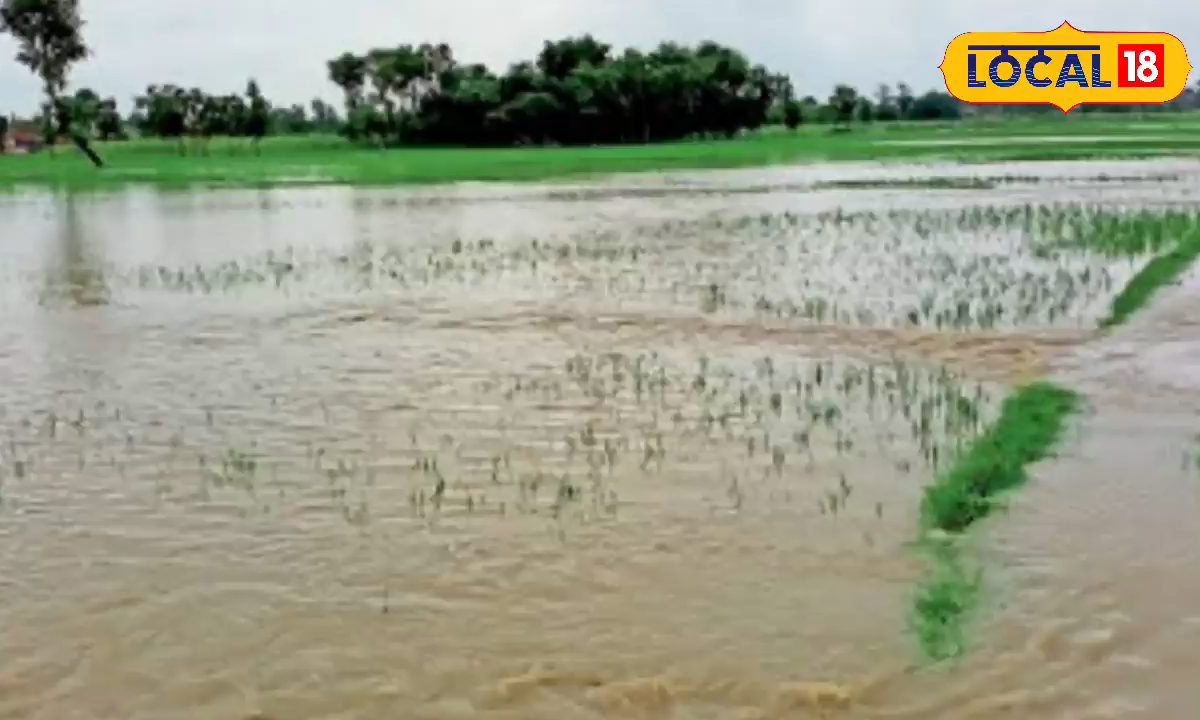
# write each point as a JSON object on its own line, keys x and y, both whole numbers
{"x": 3, "y": 133}
{"x": 108, "y": 121}
{"x": 864, "y": 111}
{"x": 349, "y": 72}
{"x": 558, "y": 59}
{"x": 84, "y": 108}
{"x": 381, "y": 68}
{"x": 162, "y": 112}
{"x": 935, "y": 105}
{"x": 883, "y": 94}
{"x": 844, "y": 102}
{"x": 904, "y": 100}
{"x": 793, "y": 114}
{"x": 49, "y": 35}
{"x": 259, "y": 116}
{"x": 324, "y": 117}
{"x": 885, "y": 104}
{"x": 291, "y": 120}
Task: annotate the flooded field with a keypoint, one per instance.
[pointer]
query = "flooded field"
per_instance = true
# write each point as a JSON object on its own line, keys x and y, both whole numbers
{"x": 649, "y": 447}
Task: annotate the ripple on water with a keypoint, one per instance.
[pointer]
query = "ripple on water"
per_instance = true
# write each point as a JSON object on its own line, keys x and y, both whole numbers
{"x": 504, "y": 451}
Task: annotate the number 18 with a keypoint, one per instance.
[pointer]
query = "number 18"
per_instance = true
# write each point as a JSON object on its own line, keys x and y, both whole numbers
{"x": 1143, "y": 66}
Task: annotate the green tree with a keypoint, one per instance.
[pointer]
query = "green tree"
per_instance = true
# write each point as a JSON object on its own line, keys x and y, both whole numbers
{"x": 412, "y": 75}
{"x": 793, "y": 114}
{"x": 864, "y": 111}
{"x": 85, "y": 110}
{"x": 559, "y": 58}
{"x": 3, "y": 134}
{"x": 843, "y": 102}
{"x": 161, "y": 112}
{"x": 460, "y": 108}
{"x": 292, "y": 120}
{"x": 349, "y": 72}
{"x": 531, "y": 117}
{"x": 383, "y": 70}
{"x": 258, "y": 115}
{"x": 366, "y": 122}
{"x": 936, "y": 106}
{"x": 399, "y": 77}
{"x": 439, "y": 59}
{"x": 233, "y": 116}
{"x": 904, "y": 100}
{"x": 885, "y": 104}
{"x": 49, "y": 35}
{"x": 108, "y": 121}
{"x": 324, "y": 117}
{"x": 575, "y": 92}
{"x": 521, "y": 77}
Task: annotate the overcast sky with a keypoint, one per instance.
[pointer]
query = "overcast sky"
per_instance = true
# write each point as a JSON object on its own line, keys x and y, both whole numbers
{"x": 218, "y": 44}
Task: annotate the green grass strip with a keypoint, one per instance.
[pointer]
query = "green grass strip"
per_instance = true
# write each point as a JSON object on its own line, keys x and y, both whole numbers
{"x": 943, "y": 602}
{"x": 326, "y": 159}
{"x": 1162, "y": 270}
{"x": 1030, "y": 424}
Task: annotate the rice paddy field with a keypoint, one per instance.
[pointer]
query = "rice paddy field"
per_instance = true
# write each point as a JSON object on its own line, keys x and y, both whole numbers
{"x": 328, "y": 159}
{"x": 709, "y": 444}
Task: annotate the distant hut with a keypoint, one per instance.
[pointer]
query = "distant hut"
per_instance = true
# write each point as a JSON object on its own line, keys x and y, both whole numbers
{"x": 23, "y": 139}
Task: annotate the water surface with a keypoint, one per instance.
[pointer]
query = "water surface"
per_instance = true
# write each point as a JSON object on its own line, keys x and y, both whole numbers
{"x": 627, "y": 448}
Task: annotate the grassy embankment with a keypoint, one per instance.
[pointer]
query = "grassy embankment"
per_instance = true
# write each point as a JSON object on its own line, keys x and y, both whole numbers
{"x": 1031, "y": 422}
{"x": 1030, "y": 425}
{"x": 328, "y": 159}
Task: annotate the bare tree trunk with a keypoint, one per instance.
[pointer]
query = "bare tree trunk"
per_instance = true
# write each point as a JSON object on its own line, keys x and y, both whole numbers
{"x": 84, "y": 147}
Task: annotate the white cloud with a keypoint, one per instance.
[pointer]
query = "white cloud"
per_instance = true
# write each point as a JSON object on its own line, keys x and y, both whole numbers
{"x": 218, "y": 44}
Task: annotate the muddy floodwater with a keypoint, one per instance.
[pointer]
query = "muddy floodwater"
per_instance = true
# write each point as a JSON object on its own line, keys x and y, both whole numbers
{"x": 632, "y": 447}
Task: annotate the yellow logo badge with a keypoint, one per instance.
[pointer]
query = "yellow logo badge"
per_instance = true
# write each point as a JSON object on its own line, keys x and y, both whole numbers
{"x": 1065, "y": 67}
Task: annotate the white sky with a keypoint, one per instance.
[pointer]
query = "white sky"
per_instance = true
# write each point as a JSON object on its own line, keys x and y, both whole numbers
{"x": 218, "y": 44}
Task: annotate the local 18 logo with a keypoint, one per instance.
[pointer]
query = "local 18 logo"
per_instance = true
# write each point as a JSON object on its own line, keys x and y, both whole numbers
{"x": 1066, "y": 67}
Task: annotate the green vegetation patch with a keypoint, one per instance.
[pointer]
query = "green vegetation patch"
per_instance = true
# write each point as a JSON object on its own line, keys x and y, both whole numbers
{"x": 1118, "y": 233}
{"x": 943, "y": 602}
{"x": 1162, "y": 270}
{"x": 1031, "y": 422}
{"x": 1173, "y": 235}
{"x": 328, "y": 159}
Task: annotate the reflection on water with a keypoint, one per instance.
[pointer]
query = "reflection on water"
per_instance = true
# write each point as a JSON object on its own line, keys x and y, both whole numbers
{"x": 504, "y": 452}
{"x": 74, "y": 272}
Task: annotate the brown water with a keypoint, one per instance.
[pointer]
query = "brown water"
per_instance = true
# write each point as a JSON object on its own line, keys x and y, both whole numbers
{"x": 648, "y": 448}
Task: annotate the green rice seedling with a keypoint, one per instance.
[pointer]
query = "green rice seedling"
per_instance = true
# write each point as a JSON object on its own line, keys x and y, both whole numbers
{"x": 1159, "y": 272}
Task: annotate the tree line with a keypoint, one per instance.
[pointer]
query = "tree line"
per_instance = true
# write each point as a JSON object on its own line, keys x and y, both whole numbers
{"x": 576, "y": 91}
{"x": 173, "y": 112}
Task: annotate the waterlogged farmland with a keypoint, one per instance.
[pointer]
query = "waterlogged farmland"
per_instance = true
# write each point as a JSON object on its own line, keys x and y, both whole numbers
{"x": 625, "y": 448}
